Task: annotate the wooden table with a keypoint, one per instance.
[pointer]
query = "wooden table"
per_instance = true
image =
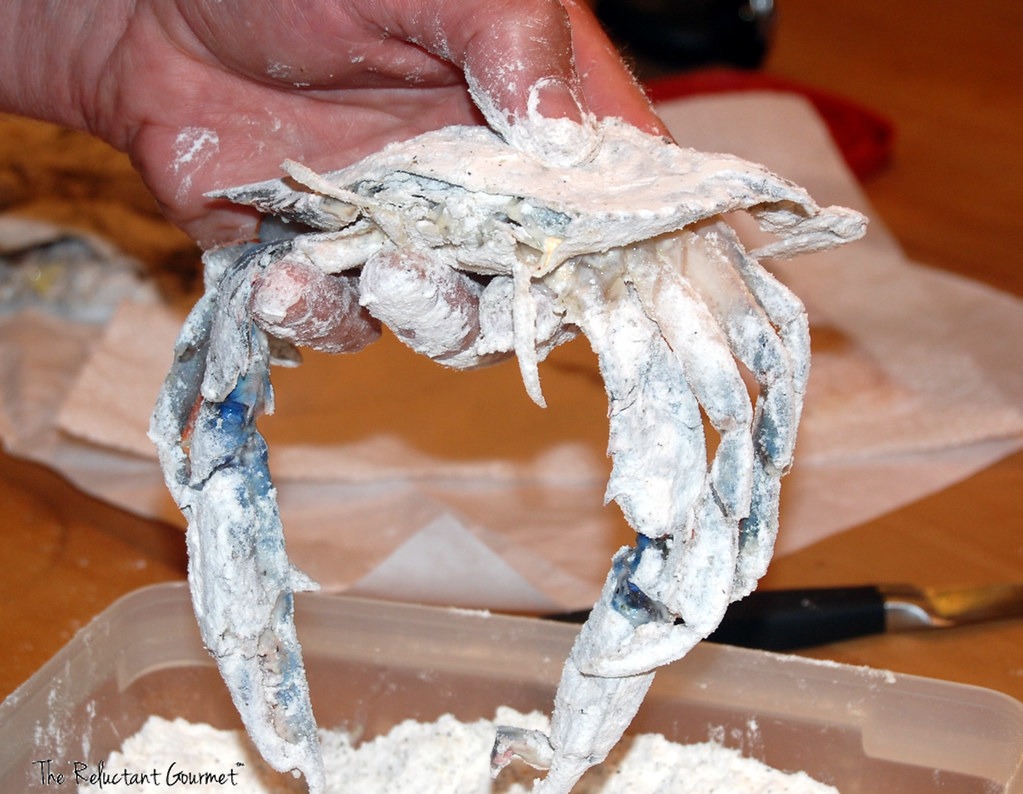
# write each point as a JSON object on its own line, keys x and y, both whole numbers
{"x": 949, "y": 78}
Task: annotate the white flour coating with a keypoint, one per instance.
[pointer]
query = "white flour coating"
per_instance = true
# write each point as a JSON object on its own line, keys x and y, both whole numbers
{"x": 276, "y": 299}
{"x": 443, "y": 757}
{"x": 193, "y": 148}
{"x": 278, "y": 71}
{"x": 559, "y": 142}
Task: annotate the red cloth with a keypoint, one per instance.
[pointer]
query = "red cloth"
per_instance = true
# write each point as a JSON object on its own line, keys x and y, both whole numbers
{"x": 865, "y": 138}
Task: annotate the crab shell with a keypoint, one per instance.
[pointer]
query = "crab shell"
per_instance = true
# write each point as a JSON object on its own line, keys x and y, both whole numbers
{"x": 585, "y": 208}
{"x": 497, "y": 210}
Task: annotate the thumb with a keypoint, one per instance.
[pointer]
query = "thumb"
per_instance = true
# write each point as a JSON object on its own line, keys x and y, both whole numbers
{"x": 519, "y": 65}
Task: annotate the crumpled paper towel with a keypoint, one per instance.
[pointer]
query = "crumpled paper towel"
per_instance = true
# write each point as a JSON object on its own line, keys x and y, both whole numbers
{"x": 400, "y": 479}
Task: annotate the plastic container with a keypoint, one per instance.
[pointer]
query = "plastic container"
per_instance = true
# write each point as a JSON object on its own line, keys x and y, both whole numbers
{"x": 372, "y": 664}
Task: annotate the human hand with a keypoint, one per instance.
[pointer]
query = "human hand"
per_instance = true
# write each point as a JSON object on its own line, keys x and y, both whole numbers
{"x": 206, "y": 95}
{"x": 211, "y": 94}
{"x": 330, "y": 83}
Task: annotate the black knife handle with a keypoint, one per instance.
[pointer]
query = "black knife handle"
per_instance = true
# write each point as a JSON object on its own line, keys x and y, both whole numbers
{"x": 784, "y": 620}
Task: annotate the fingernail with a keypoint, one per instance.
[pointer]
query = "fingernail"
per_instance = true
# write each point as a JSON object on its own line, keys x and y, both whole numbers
{"x": 554, "y": 99}
{"x": 555, "y": 128}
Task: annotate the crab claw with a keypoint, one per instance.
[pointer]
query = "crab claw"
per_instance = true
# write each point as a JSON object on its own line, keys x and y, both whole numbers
{"x": 241, "y": 580}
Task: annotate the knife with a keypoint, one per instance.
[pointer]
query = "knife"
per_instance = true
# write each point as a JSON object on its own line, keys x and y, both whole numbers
{"x": 786, "y": 620}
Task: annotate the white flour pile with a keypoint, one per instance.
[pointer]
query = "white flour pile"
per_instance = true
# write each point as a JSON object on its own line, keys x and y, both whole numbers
{"x": 444, "y": 757}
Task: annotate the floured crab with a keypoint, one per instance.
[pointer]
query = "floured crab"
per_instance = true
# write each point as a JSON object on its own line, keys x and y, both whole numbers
{"x": 628, "y": 247}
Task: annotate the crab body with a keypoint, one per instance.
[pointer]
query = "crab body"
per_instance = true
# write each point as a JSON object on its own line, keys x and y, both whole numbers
{"x": 470, "y": 250}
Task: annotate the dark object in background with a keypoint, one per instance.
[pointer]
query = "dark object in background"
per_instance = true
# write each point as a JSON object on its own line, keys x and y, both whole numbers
{"x": 785, "y": 620}
{"x": 683, "y": 34}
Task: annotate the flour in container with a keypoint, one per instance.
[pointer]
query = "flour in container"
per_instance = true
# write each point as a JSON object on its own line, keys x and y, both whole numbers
{"x": 442, "y": 757}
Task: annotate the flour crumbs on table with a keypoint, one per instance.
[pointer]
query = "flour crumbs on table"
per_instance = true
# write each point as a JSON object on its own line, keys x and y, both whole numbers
{"x": 442, "y": 757}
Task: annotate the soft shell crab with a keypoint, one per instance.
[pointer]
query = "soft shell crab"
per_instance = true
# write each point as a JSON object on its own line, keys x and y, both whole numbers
{"x": 629, "y": 248}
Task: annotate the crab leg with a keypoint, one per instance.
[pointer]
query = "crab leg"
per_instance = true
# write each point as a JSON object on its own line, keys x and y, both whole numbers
{"x": 671, "y": 590}
{"x": 592, "y": 710}
{"x": 703, "y": 352}
{"x": 239, "y": 573}
{"x": 655, "y": 484}
{"x": 689, "y": 570}
{"x": 768, "y": 331}
{"x": 659, "y": 487}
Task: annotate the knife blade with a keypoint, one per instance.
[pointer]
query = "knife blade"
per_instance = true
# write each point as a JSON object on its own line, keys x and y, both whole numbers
{"x": 786, "y": 620}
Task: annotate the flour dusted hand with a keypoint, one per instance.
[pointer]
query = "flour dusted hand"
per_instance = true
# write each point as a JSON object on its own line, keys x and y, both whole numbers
{"x": 626, "y": 246}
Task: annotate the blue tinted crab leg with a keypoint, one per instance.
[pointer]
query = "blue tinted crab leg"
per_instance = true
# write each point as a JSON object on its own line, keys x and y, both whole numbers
{"x": 658, "y": 484}
{"x": 702, "y": 349}
{"x": 691, "y": 575}
{"x": 592, "y": 707}
{"x": 768, "y": 330}
{"x": 239, "y": 574}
